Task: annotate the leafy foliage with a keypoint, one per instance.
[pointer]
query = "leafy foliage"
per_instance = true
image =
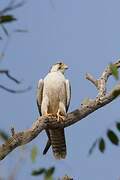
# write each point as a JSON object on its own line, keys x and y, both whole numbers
{"x": 7, "y": 19}
{"x": 39, "y": 171}
{"x": 101, "y": 145}
{"x": 47, "y": 173}
{"x": 112, "y": 137}
{"x": 100, "y": 142}
{"x": 114, "y": 71}
{"x": 116, "y": 93}
{"x": 34, "y": 153}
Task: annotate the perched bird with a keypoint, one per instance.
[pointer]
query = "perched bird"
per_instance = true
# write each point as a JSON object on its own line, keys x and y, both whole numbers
{"x": 53, "y": 99}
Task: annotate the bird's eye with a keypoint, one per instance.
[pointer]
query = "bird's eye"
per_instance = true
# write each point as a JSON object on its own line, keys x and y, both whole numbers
{"x": 60, "y": 63}
{"x": 59, "y": 67}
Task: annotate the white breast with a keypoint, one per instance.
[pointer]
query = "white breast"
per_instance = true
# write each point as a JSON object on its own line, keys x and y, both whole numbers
{"x": 54, "y": 90}
{"x": 54, "y": 81}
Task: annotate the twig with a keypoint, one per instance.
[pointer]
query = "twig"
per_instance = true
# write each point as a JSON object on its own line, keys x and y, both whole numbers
{"x": 11, "y": 6}
{"x": 22, "y": 138}
{"x": 92, "y": 79}
{"x": 6, "y": 72}
{"x": 12, "y": 131}
{"x": 15, "y": 91}
{"x": 101, "y": 82}
{"x": 43, "y": 122}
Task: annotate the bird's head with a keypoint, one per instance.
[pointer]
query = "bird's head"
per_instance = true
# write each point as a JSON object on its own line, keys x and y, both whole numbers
{"x": 60, "y": 66}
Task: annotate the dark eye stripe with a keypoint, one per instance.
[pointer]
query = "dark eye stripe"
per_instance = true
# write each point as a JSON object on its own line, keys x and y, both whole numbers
{"x": 59, "y": 67}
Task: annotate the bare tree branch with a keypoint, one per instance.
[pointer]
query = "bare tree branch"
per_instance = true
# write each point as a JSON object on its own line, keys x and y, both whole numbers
{"x": 92, "y": 79}
{"x": 101, "y": 82}
{"x": 6, "y": 72}
{"x": 15, "y": 91}
{"x": 103, "y": 79}
{"x": 43, "y": 122}
{"x": 11, "y": 6}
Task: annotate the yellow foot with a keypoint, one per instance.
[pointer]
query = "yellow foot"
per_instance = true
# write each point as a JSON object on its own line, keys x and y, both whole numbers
{"x": 60, "y": 118}
{"x": 50, "y": 115}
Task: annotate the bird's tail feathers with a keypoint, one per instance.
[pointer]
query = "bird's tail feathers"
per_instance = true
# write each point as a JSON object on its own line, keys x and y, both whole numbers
{"x": 58, "y": 143}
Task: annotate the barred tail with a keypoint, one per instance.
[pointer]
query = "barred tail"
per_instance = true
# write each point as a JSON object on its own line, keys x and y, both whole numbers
{"x": 58, "y": 143}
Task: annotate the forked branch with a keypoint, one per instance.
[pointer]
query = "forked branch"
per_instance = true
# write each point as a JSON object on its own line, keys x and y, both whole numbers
{"x": 7, "y": 73}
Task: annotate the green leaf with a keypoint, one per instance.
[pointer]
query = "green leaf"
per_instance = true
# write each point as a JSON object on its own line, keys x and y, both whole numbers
{"x": 34, "y": 153}
{"x": 118, "y": 125}
{"x": 116, "y": 93}
{"x": 114, "y": 71}
{"x": 92, "y": 147}
{"x": 7, "y": 19}
{"x": 101, "y": 145}
{"x": 3, "y": 135}
{"x": 112, "y": 137}
{"x": 49, "y": 172}
{"x": 38, "y": 172}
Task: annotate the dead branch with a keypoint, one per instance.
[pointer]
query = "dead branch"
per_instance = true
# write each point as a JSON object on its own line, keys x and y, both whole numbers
{"x": 103, "y": 98}
{"x": 15, "y": 91}
{"x": 11, "y": 6}
{"x": 6, "y": 72}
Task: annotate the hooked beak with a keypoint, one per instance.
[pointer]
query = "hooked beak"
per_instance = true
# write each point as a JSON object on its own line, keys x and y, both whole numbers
{"x": 65, "y": 66}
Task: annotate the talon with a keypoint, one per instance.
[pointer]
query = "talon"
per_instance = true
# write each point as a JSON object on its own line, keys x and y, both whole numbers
{"x": 50, "y": 115}
{"x": 60, "y": 117}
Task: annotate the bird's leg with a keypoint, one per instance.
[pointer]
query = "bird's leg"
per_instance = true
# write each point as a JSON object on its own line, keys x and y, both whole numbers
{"x": 60, "y": 117}
{"x": 48, "y": 114}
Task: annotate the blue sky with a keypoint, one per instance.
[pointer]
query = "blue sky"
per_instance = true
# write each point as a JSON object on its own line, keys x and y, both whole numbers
{"x": 86, "y": 36}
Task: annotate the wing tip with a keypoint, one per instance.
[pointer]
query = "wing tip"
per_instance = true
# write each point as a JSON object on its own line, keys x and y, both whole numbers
{"x": 39, "y": 82}
{"x": 47, "y": 147}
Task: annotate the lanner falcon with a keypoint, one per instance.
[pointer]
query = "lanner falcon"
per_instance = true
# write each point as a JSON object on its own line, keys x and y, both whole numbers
{"x": 53, "y": 99}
